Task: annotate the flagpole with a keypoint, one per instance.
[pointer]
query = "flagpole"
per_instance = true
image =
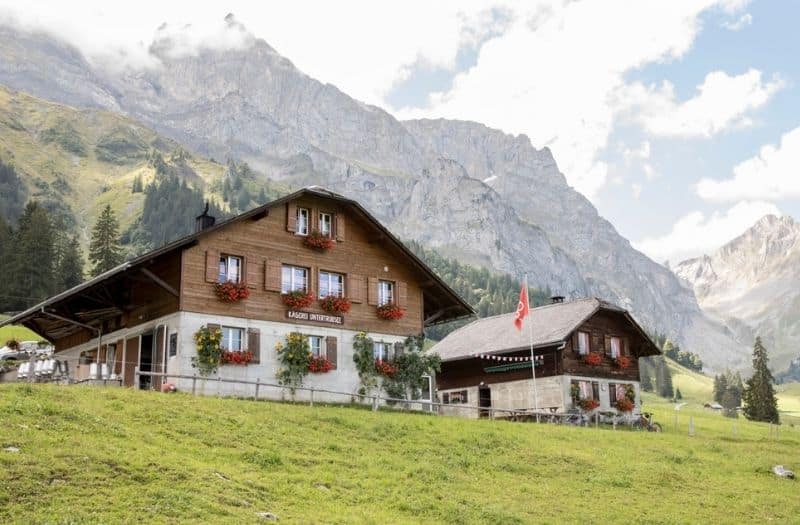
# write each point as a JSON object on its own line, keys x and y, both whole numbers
{"x": 533, "y": 359}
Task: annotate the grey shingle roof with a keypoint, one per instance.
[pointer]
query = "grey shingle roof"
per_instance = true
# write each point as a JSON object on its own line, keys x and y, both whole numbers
{"x": 552, "y": 324}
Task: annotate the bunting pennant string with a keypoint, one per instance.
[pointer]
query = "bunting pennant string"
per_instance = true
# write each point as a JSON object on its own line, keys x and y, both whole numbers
{"x": 511, "y": 359}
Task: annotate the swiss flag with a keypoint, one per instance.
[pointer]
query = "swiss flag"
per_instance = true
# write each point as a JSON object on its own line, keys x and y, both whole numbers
{"x": 522, "y": 307}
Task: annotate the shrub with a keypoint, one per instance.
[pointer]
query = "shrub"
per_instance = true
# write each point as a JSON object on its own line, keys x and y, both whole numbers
{"x": 294, "y": 356}
{"x": 208, "y": 351}
{"x": 297, "y": 299}
{"x": 335, "y": 305}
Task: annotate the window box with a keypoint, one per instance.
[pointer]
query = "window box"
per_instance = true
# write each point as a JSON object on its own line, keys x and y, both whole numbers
{"x": 390, "y": 311}
{"x": 587, "y": 405}
{"x": 318, "y": 241}
{"x": 623, "y": 362}
{"x": 297, "y": 299}
{"x": 236, "y": 357}
{"x": 231, "y": 292}
{"x": 319, "y": 365}
{"x": 624, "y": 405}
{"x": 335, "y": 305}
{"x": 385, "y": 368}
{"x": 593, "y": 359}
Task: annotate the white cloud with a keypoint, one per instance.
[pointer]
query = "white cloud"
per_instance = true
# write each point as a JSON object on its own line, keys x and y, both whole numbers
{"x": 740, "y": 23}
{"x": 722, "y": 102}
{"x": 636, "y": 190}
{"x": 695, "y": 233}
{"x": 773, "y": 174}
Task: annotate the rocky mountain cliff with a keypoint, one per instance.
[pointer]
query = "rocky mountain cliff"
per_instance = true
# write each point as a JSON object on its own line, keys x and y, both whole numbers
{"x": 752, "y": 284}
{"x": 470, "y": 191}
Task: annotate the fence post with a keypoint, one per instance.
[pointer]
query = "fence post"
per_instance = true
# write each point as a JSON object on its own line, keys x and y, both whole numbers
{"x": 374, "y": 403}
{"x": 194, "y": 384}
{"x": 219, "y": 386}
{"x": 312, "y": 398}
{"x": 691, "y": 426}
{"x": 596, "y": 420}
{"x": 258, "y": 384}
{"x": 136, "y": 381}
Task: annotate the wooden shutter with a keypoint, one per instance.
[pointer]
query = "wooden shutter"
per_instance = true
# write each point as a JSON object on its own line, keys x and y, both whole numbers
{"x": 332, "y": 351}
{"x": 291, "y": 217}
{"x": 254, "y": 344}
{"x": 625, "y": 350}
{"x": 338, "y": 227}
{"x": 399, "y": 349}
{"x": 272, "y": 275}
{"x": 372, "y": 291}
{"x": 355, "y": 287}
{"x": 402, "y": 294}
{"x": 252, "y": 271}
{"x": 607, "y": 344}
{"x": 212, "y": 266}
{"x": 118, "y": 360}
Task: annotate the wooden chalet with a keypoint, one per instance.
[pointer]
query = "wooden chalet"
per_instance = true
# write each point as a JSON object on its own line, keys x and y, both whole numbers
{"x": 145, "y": 312}
{"x": 488, "y": 362}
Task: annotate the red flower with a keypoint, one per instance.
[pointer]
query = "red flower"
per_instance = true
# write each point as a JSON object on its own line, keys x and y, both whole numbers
{"x": 390, "y": 311}
{"x": 335, "y": 305}
{"x": 624, "y": 405}
{"x": 229, "y": 292}
{"x": 623, "y": 362}
{"x": 385, "y": 368}
{"x": 317, "y": 241}
{"x": 319, "y": 365}
{"x": 297, "y": 299}
{"x": 236, "y": 357}
{"x": 589, "y": 404}
{"x": 593, "y": 359}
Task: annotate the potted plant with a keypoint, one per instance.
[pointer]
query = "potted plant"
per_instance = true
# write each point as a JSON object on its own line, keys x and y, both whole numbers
{"x": 593, "y": 359}
{"x": 390, "y": 311}
{"x": 335, "y": 305}
{"x": 319, "y": 365}
{"x": 297, "y": 299}
{"x": 622, "y": 362}
{"x": 229, "y": 292}
{"x": 318, "y": 241}
{"x": 385, "y": 368}
{"x": 236, "y": 357}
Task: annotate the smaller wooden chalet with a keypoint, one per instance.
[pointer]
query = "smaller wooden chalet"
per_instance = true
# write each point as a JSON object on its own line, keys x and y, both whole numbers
{"x": 583, "y": 349}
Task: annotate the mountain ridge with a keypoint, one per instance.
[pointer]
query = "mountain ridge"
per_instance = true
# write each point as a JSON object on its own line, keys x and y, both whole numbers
{"x": 430, "y": 180}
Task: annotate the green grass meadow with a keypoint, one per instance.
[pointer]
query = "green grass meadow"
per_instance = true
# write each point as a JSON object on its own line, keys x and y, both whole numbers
{"x": 20, "y": 333}
{"x": 103, "y": 455}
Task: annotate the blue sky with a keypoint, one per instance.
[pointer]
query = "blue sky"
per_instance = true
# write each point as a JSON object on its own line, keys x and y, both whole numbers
{"x": 678, "y": 119}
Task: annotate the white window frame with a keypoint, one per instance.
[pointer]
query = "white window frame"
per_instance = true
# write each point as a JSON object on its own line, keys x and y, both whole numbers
{"x": 583, "y": 336}
{"x": 320, "y": 349}
{"x": 385, "y": 292}
{"x": 303, "y": 217}
{"x": 326, "y": 224}
{"x": 326, "y": 280}
{"x": 111, "y": 356}
{"x": 616, "y": 349}
{"x": 379, "y": 349}
{"x": 227, "y": 338}
{"x": 292, "y": 281}
{"x": 225, "y": 262}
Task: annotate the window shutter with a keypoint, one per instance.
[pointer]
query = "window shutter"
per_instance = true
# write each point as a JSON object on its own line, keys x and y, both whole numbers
{"x": 355, "y": 288}
{"x": 372, "y": 291}
{"x": 254, "y": 344}
{"x": 118, "y": 360}
{"x": 291, "y": 217}
{"x": 575, "y": 343}
{"x": 251, "y": 268}
{"x": 212, "y": 266}
{"x": 607, "y": 344}
{"x": 332, "y": 351}
{"x": 338, "y": 227}
{"x": 402, "y": 294}
{"x": 625, "y": 350}
{"x": 272, "y": 275}
{"x": 399, "y": 349}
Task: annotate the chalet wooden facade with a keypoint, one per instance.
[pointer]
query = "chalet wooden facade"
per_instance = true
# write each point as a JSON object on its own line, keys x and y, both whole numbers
{"x": 145, "y": 312}
{"x": 584, "y": 349}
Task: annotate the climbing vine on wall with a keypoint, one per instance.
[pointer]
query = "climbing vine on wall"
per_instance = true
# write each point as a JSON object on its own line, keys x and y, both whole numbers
{"x": 294, "y": 355}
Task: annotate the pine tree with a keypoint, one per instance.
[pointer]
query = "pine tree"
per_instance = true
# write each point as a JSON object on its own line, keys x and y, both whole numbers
{"x": 69, "y": 271}
{"x": 105, "y": 252}
{"x": 32, "y": 258}
{"x": 720, "y": 387}
{"x": 664, "y": 380}
{"x": 760, "y": 403}
{"x": 6, "y": 240}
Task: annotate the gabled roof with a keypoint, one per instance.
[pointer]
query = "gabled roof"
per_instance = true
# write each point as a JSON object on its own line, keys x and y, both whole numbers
{"x": 552, "y": 325}
{"x": 452, "y": 306}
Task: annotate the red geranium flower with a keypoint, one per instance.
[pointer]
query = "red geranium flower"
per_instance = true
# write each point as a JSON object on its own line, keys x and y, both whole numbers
{"x": 317, "y": 241}
{"x": 297, "y": 299}
{"x": 229, "y": 292}
{"x": 593, "y": 359}
{"x": 335, "y": 305}
{"x": 390, "y": 311}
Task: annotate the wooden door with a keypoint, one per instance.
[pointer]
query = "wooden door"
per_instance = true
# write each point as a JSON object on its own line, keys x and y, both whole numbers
{"x": 131, "y": 360}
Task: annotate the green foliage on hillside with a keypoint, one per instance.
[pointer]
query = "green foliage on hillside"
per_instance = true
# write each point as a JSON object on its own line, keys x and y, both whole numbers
{"x": 66, "y": 136}
{"x": 489, "y": 293}
{"x": 93, "y": 455}
{"x": 12, "y": 193}
{"x": 105, "y": 252}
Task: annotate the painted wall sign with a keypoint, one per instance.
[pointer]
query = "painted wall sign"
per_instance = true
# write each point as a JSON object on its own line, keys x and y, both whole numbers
{"x": 299, "y": 315}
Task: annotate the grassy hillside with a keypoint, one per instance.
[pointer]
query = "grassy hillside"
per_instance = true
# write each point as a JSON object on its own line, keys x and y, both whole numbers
{"x": 20, "y": 333}
{"x": 694, "y": 386}
{"x": 109, "y": 455}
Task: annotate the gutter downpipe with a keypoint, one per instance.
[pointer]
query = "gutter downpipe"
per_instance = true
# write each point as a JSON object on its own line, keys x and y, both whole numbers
{"x": 98, "y": 331}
